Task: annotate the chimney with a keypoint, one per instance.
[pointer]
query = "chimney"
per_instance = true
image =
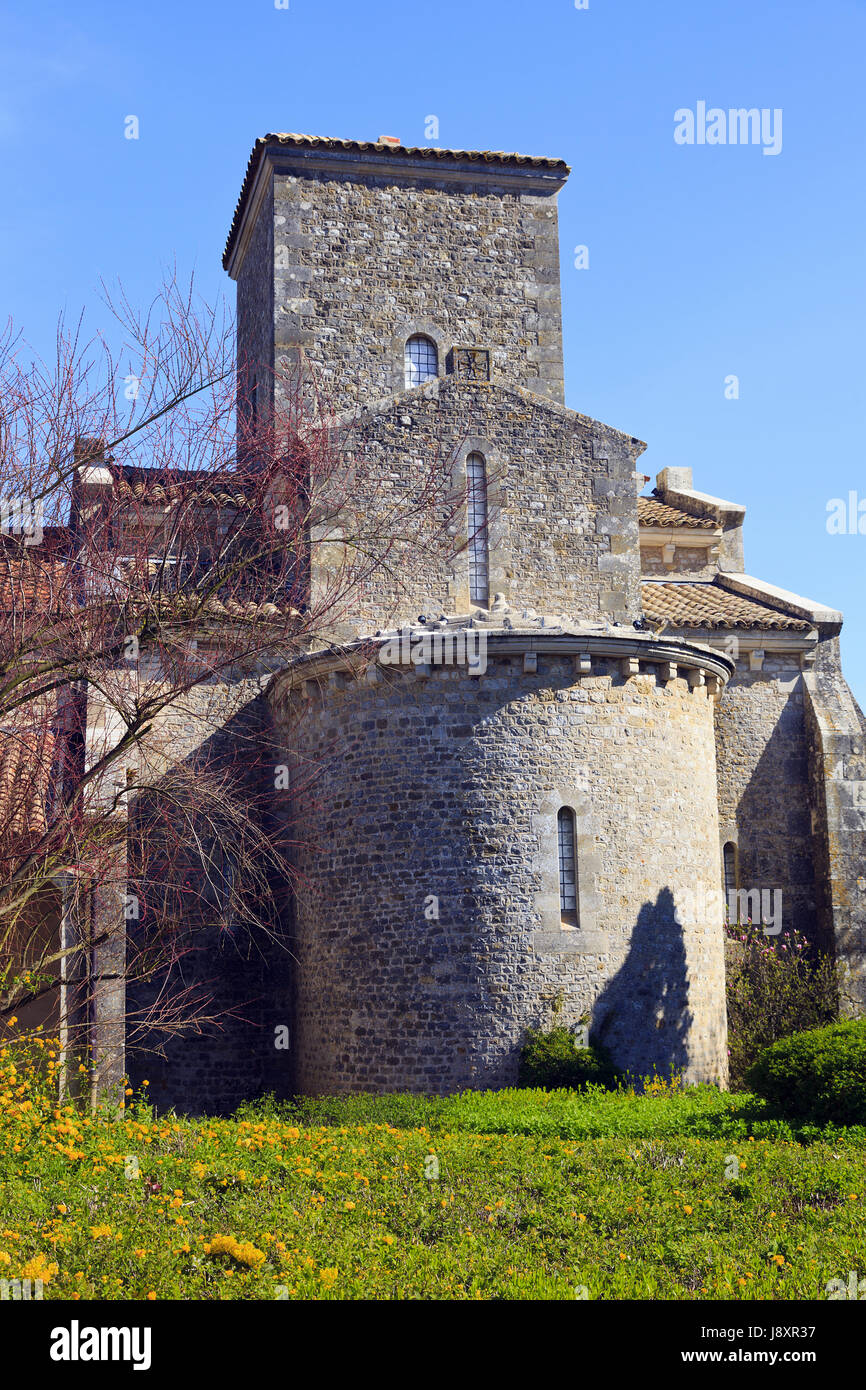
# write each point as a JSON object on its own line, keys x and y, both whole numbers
{"x": 674, "y": 480}
{"x": 87, "y": 449}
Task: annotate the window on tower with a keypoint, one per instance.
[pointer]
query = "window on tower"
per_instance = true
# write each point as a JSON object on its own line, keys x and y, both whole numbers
{"x": 421, "y": 360}
{"x": 565, "y": 828}
{"x": 729, "y": 869}
{"x": 476, "y": 488}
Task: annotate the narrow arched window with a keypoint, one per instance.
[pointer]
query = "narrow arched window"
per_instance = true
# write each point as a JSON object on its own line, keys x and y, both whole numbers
{"x": 729, "y": 868}
{"x": 421, "y": 360}
{"x": 476, "y": 488}
{"x": 567, "y": 865}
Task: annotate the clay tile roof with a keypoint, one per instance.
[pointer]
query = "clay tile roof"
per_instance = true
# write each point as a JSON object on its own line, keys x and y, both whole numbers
{"x": 25, "y": 777}
{"x": 151, "y": 493}
{"x": 325, "y": 142}
{"x": 31, "y": 582}
{"x": 652, "y": 512}
{"x": 684, "y": 605}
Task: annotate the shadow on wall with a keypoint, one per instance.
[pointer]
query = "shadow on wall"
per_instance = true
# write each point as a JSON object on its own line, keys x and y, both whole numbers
{"x": 774, "y": 823}
{"x": 642, "y": 1015}
{"x": 218, "y": 953}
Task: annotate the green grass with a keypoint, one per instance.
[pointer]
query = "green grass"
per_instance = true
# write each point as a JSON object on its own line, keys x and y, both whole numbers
{"x": 508, "y": 1195}
{"x": 698, "y": 1112}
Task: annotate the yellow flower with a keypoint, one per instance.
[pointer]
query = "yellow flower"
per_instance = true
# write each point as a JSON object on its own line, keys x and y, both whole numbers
{"x": 328, "y": 1277}
{"x": 389, "y": 1240}
{"x": 37, "y": 1268}
{"x": 349, "y": 1206}
{"x": 62, "y": 1208}
{"x": 152, "y": 1295}
{"x": 245, "y": 1253}
{"x": 687, "y": 1210}
{"x": 98, "y": 1231}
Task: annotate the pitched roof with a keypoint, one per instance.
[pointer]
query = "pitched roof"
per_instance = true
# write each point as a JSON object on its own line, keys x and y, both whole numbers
{"x": 326, "y": 142}
{"x": 150, "y": 493}
{"x": 702, "y": 605}
{"x": 31, "y": 579}
{"x": 26, "y": 756}
{"x": 652, "y": 512}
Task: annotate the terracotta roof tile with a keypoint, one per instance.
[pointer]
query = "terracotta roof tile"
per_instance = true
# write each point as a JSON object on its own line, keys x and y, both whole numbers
{"x": 326, "y": 142}
{"x": 150, "y": 492}
{"x": 31, "y": 581}
{"x": 26, "y": 757}
{"x": 652, "y": 512}
{"x": 685, "y": 605}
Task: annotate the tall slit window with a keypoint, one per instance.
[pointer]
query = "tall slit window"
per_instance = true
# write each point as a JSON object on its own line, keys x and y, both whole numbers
{"x": 729, "y": 866}
{"x": 476, "y": 484}
{"x": 565, "y": 829}
{"x": 420, "y": 360}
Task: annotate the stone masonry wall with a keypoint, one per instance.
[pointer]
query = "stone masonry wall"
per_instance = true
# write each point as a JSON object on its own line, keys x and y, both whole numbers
{"x": 361, "y": 262}
{"x": 692, "y": 562}
{"x": 562, "y": 529}
{"x": 449, "y": 786}
{"x": 837, "y": 766}
{"x": 764, "y": 797}
{"x": 255, "y": 311}
{"x": 220, "y": 722}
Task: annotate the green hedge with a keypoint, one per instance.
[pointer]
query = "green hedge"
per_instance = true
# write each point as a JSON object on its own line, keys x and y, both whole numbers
{"x": 554, "y": 1060}
{"x": 818, "y": 1076}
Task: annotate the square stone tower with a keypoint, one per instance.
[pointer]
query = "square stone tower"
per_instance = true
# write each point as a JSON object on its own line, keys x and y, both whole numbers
{"x": 347, "y": 249}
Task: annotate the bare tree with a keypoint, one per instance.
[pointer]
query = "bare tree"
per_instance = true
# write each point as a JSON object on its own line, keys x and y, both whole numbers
{"x": 166, "y": 544}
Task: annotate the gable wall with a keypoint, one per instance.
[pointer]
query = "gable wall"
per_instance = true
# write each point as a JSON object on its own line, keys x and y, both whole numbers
{"x": 562, "y": 506}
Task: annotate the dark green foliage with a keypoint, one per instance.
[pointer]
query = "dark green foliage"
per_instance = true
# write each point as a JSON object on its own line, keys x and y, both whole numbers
{"x": 775, "y": 986}
{"x": 554, "y": 1060}
{"x": 819, "y": 1076}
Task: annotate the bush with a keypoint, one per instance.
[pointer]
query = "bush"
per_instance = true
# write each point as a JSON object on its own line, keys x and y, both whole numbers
{"x": 555, "y": 1061}
{"x": 819, "y": 1076}
{"x": 775, "y": 987}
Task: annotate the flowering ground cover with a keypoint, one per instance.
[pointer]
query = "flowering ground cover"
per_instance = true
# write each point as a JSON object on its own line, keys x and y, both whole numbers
{"x": 512, "y": 1194}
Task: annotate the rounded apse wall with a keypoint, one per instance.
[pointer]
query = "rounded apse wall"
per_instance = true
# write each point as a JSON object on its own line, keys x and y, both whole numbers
{"x": 429, "y": 931}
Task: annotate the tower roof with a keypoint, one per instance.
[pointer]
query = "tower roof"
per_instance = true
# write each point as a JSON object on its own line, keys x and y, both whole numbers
{"x": 382, "y": 147}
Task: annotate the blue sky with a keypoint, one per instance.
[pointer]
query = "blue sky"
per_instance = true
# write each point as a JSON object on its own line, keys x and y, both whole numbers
{"x": 704, "y": 261}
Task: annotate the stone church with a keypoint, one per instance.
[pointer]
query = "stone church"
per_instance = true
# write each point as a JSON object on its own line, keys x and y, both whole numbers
{"x": 577, "y": 733}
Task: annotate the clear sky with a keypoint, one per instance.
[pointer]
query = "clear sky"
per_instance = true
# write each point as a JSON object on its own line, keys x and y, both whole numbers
{"x": 705, "y": 261}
